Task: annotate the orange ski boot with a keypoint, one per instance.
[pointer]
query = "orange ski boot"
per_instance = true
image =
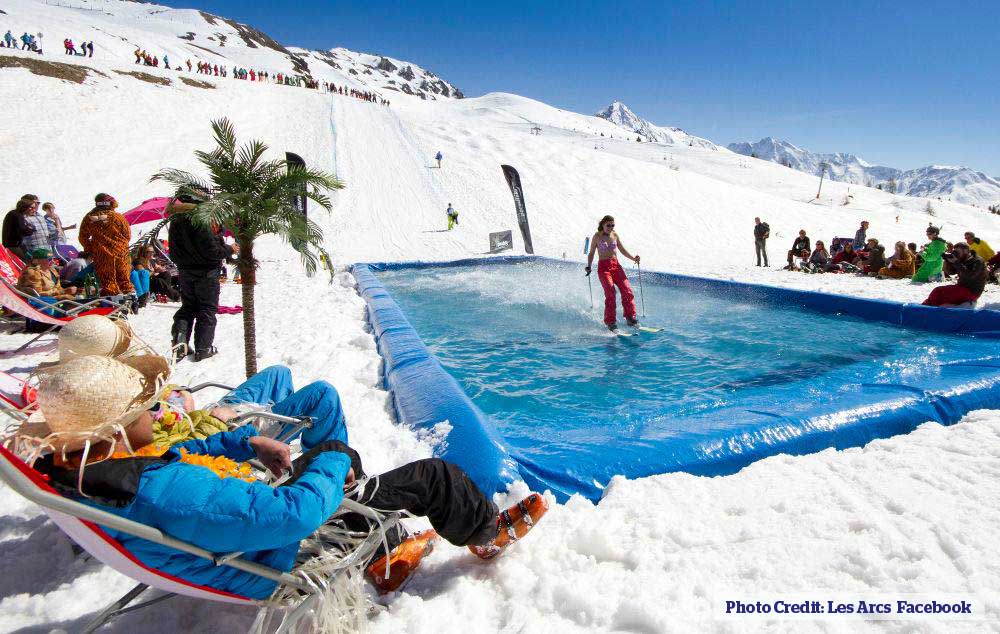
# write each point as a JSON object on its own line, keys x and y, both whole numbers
{"x": 512, "y": 525}
{"x": 403, "y": 562}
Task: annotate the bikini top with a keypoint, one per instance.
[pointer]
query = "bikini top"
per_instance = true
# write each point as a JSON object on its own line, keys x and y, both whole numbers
{"x": 605, "y": 245}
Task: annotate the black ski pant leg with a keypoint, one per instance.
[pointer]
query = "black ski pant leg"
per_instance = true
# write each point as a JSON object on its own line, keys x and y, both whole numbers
{"x": 442, "y": 492}
{"x": 206, "y": 288}
{"x": 199, "y": 306}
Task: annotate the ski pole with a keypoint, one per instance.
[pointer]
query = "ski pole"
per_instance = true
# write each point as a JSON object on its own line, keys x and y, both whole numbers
{"x": 642, "y": 296}
{"x": 590, "y": 285}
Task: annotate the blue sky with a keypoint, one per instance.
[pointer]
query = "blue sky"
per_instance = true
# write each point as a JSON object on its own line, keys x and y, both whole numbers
{"x": 901, "y": 83}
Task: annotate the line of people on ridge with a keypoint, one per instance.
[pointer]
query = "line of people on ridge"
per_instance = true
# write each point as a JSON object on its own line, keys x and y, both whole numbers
{"x": 29, "y": 41}
{"x": 86, "y": 48}
{"x": 972, "y": 262}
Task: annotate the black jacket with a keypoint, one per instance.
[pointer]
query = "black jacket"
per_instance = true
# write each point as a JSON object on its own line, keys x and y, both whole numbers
{"x": 195, "y": 248}
{"x": 972, "y": 273}
{"x": 761, "y": 231}
{"x": 14, "y": 229}
{"x": 801, "y": 244}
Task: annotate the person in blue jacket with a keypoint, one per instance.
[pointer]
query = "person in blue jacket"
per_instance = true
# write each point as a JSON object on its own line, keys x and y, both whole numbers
{"x": 438, "y": 157}
{"x": 189, "y": 493}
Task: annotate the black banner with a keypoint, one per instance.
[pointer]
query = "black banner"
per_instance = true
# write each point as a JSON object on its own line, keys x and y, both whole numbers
{"x": 501, "y": 241}
{"x": 514, "y": 182}
{"x": 296, "y": 160}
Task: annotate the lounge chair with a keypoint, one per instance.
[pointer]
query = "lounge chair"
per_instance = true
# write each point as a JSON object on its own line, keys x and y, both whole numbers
{"x": 83, "y": 524}
{"x": 17, "y": 397}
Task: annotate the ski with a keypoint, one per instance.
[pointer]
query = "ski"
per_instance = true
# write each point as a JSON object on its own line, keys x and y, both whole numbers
{"x": 618, "y": 333}
{"x": 648, "y": 329}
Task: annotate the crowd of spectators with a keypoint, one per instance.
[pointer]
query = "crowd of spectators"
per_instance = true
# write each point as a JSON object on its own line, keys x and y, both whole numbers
{"x": 971, "y": 263}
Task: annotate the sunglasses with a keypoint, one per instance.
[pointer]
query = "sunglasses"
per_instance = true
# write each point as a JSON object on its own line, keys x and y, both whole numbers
{"x": 610, "y": 225}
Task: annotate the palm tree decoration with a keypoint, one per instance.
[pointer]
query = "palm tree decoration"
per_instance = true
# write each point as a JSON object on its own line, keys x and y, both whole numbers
{"x": 253, "y": 197}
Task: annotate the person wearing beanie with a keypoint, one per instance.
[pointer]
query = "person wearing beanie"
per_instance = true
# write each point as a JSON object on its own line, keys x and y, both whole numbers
{"x": 931, "y": 262}
{"x": 105, "y": 234}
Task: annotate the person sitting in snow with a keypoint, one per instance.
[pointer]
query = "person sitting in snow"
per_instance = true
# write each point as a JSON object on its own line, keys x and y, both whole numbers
{"x": 931, "y": 264}
{"x": 901, "y": 264}
{"x": 202, "y": 491}
{"x": 843, "y": 262}
{"x": 972, "y": 276}
{"x": 800, "y": 249}
{"x": 818, "y": 259}
{"x": 979, "y": 246}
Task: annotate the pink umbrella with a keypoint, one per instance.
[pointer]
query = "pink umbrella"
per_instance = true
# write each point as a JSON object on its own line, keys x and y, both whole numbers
{"x": 149, "y": 211}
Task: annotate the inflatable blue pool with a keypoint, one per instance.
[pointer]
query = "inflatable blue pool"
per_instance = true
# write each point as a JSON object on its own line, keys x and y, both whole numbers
{"x": 510, "y": 353}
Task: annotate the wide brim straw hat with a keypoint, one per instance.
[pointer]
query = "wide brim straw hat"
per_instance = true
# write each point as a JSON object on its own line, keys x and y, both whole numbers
{"x": 91, "y": 398}
{"x": 94, "y": 335}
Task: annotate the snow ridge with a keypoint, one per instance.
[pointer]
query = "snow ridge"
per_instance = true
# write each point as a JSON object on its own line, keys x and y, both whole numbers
{"x": 620, "y": 115}
{"x": 958, "y": 183}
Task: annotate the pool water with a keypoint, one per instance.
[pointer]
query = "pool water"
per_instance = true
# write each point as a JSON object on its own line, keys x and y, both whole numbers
{"x": 725, "y": 382}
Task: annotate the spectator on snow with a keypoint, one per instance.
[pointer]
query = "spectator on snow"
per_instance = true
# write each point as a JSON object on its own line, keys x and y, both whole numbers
{"x": 36, "y": 233}
{"x": 979, "y": 246}
{"x": 901, "y": 264}
{"x": 76, "y": 270}
{"x": 14, "y": 225}
{"x": 56, "y": 229}
{"x": 818, "y": 259}
{"x": 843, "y": 261}
{"x": 105, "y": 234}
{"x": 9, "y": 39}
{"x": 90, "y": 48}
{"x": 931, "y": 263}
{"x": 189, "y": 65}
{"x": 141, "y": 274}
{"x": 761, "y": 232}
{"x": 800, "y": 249}
{"x": 199, "y": 253}
{"x": 860, "y": 237}
{"x": 166, "y": 62}
{"x": 439, "y": 156}
{"x": 39, "y": 278}
{"x": 874, "y": 261}
{"x": 972, "y": 277}
{"x": 452, "y": 217}
{"x": 138, "y": 55}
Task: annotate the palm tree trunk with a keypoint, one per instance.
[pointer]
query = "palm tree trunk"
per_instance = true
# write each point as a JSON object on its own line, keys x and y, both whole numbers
{"x": 248, "y": 274}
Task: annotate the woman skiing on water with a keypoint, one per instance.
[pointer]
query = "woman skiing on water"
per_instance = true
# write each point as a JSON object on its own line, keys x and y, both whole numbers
{"x": 611, "y": 274}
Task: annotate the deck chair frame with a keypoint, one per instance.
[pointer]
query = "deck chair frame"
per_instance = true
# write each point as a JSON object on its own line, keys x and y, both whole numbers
{"x": 76, "y": 519}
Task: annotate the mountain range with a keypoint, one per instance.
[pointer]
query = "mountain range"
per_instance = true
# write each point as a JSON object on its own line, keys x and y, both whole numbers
{"x": 960, "y": 184}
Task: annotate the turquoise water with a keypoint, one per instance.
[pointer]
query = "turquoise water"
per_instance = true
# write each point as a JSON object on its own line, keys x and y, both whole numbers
{"x": 579, "y": 405}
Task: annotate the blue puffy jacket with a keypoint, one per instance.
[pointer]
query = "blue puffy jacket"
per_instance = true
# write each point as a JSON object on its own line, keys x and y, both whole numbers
{"x": 194, "y": 504}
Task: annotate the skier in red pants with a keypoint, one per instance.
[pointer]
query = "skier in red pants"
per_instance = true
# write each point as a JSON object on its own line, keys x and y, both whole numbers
{"x": 605, "y": 242}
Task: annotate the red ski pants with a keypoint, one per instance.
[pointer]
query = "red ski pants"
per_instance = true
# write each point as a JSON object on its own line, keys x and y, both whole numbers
{"x": 611, "y": 274}
{"x": 953, "y": 295}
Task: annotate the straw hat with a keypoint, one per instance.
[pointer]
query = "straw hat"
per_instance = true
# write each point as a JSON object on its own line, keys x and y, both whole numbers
{"x": 90, "y": 397}
{"x": 93, "y": 335}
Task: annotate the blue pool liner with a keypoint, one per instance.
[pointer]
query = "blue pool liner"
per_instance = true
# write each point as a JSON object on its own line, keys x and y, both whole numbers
{"x": 425, "y": 394}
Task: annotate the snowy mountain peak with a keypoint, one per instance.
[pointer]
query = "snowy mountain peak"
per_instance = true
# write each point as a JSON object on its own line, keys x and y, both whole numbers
{"x": 623, "y": 117}
{"x": 961, "y": 184}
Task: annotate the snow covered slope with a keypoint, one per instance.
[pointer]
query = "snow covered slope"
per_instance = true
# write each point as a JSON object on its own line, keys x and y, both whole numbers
{"x": 960, "y": 184}
{"x": 908, "y": 514}
{"x": 118, "y": 27}
{"x": 620, "y": 115}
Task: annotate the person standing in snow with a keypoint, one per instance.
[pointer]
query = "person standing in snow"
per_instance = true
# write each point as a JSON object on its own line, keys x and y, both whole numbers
{"x": 861, "y": 237}
{"x": 166, "y": 62}
{"x": 605, "y": 243}
{"x": 761, "y": 232}
{"x": 199, "y": 253}
{"x": 105, "y": 234}
{"x": 439, "y": 156}
{"x": 9, "y": 39}
{"x": 452, "y": 217}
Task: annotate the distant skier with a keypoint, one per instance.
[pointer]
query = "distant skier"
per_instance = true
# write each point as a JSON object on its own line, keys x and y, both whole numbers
{"x": 761, "y": 232}
{"x": 9, "y": 39}
{"x": 166, "y": 62}
{"x": 452, "y": 217}
{"x": 439, "y": 156}
{"x": 605, "y": 243}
